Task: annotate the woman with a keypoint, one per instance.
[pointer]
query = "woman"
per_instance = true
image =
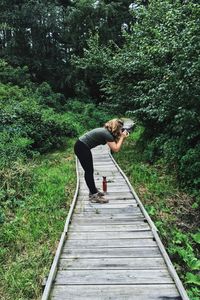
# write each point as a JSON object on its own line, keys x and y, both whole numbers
{"x": 111, "y": 134}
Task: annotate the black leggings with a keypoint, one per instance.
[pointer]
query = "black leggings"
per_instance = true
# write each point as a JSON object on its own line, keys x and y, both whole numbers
{"x": 84, "y": 155}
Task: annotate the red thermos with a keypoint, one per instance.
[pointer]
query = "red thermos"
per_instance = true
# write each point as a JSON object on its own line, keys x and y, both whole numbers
{"x": 104, "y": 183}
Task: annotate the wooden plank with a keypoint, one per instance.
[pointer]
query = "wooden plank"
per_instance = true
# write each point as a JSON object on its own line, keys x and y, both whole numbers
{"x": 94, "y": 222}
{"x": 106, "y": 167}
{"x": 113, "y": 277}
{"x": 99, "y": 219}
{"x": 110, "y": 181}
{"x": 100, "y": 216}
{"x": 111, "y": 252}
{"x": 120, "y": 203}
{"x": 110, "y": 191}
{"x": 130, "y": 216}
{"x": 103, "y": 209}
{"x": 111, "y": 198}
{"x": 108, "y": 173}
{"x": 115, "y": 292}
{"x": 111, "y": 195}
{"x": 86, "y": 201}
{"x": 137, "y": 226}
{"x": 110, "y": 187}
{"x": 110, "y": 176}
{"x": 110, "y": 235}
{"x": 99, "y": 170}
{"x": 118, "y": 181}
{"x": 86, "y": 205}
{"x": 110, "y": 207}
{"x": 106, "y": 243}
{"x": 103, "y": 162}
{"x": 96, "y": 214}
{"x": 112, "y": 263}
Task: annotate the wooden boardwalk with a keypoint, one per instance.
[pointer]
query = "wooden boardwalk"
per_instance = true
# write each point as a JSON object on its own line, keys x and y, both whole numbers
{"x": 111, "y": 251}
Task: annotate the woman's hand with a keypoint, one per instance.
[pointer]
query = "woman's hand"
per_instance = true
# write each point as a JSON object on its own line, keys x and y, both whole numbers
{"x": 115, "y": 146}
{"x": 125, "y": 133}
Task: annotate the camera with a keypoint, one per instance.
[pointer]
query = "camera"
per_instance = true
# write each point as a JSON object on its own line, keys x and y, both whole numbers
{"x": 128, "y": 128}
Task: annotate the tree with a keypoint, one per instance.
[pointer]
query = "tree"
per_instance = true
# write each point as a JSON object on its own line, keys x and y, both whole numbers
{"x": 155, "y": 76}
{"x": 43, "y": 35}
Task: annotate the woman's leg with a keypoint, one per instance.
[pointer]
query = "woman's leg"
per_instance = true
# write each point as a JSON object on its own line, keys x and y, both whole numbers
{"x": 85, "y": 157}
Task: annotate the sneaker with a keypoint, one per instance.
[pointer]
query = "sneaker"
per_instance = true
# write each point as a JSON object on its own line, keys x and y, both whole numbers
{"x": 99, "y": 193}
{"x": 95, "y": 198}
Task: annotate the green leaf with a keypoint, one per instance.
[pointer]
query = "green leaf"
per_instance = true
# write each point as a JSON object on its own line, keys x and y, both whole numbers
{"x": 194, "y": 264}
{"x": 191, "y": 278}
{"x": 196, "y": 237}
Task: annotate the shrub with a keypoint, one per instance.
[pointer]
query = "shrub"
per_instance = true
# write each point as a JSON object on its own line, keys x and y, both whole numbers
{"x": 23, "y": 115}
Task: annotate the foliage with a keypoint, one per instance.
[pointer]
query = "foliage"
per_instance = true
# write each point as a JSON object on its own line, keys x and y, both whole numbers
{"x": 22, "y": 115}
{"x": 155, "y": 77}
{"x": 88, "y": 114}
{"x": 47, "y": 98}
{"x": 17, "y": 76}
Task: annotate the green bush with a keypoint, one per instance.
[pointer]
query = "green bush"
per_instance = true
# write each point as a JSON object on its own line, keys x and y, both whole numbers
{"x": 48, "y": 98}
{"x": 8, "y": 74}
{"x": 23, "y": 115}
{"x": 189, "y": 169}
{"x": 12, "y": 148}
{"x": 88, "y": 114}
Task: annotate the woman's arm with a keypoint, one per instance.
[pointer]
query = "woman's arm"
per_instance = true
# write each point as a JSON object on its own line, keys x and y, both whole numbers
{"x": 115, "y": 146}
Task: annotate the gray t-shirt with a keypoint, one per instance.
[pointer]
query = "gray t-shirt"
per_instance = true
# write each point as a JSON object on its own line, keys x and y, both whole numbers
{"x": 97, "y": 136}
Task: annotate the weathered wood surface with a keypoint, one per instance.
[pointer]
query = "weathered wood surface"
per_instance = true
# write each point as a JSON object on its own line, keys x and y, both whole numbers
{"x": 108, "y": 243}
{"x": 110, "y": 250}
{"x": 115, "y": 276}
{"x": 105, "y": 209}
{"x": 99, "y": 219}
{"x": 109, "y": 227}
{"x": 113, "y": 263}
{"x": 116, "y": 292}
{"x": 110, "y": 235}
{"x": 113, "y": 203}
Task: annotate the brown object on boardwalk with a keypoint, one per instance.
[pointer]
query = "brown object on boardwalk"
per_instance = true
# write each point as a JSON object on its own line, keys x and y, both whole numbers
{"x": 111, "y": 251}
{"x": 104, "y": 184}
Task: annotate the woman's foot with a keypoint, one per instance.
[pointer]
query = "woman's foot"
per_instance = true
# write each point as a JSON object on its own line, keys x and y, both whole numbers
{"x": 101, "y": 194}
{"x": 96, "y": 198}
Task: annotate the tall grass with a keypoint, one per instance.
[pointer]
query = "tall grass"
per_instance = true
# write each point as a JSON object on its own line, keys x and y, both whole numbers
{"x": 29, "y": 239}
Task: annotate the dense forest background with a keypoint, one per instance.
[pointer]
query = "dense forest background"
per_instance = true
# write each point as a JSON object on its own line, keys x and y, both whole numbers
{"x": 141, "y": 58}
{"x": 67, "y": 66}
